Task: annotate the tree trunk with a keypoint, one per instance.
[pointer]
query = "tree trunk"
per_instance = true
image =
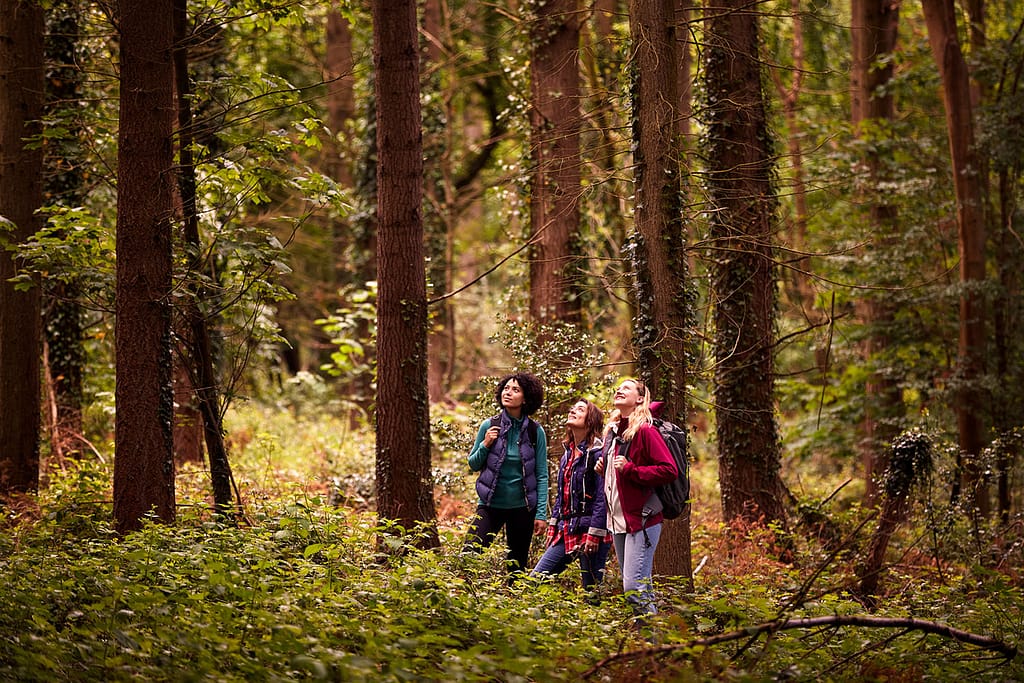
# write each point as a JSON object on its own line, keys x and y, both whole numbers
{"x": 940, "y": 18}
{"x": 1007, "y": 314}
{"x": 439, "y": 194}
{"x": 64, "y": 360}
{"x": 602, "y": 62}
{"x": 688, "y": 139}
{"x": 684, "y": 48}
{"x": 659, "y": 255}
{"x": 910, "y": 460}
{"x": 339, "y": 151}
{"x": 188, "y": 421}
{"x": 743, "y": 274}
{"x": 796, "y": 279}
{"x": 199, "y": 360}
{"x": 555, "y": 150}
{"x": 355, "y": 235}
{"x": 144, "y": 460}
{"x": 64, "y": 353}
{"x": 404, "y": 488}
{"x": 604, "y": 13}
{"x": 21, "y": 102}
{"x": 873, "y": 32}
{"x": 341, "y": 104}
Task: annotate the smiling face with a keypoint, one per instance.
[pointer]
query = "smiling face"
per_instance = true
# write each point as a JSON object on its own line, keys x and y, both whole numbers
{"x": 577, "y": 417}
{"x": 512, "y": 397}
{"x": 627, "y": 397}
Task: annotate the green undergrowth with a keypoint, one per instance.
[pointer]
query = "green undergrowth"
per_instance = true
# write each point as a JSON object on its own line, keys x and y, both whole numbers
{"x": 311, "y": 591}
{"x": 303, "y": 594}
{"x": 310, "y": 586}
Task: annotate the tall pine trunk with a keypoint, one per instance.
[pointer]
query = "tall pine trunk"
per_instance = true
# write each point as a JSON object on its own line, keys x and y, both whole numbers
{"x": 659, "y": 252}
{"x": 873, "y": 32}
{"x": 940, "y": 17}
{"x": 21, "y": 102}
{"x": 743, "y": 270}
{"x": 404, "y": 487}
{"x": 555, "y": 149}
{"x": 341, "y": 104}
{"x": 439, "y": 194}
{"x": 797, "y": 281}
{"x": 144, "y": 459}
{"x": 64, "y": 352}
{"x": 199, "y": 360}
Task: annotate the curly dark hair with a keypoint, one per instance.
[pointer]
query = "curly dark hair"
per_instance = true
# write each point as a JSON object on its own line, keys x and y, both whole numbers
{"x": 533, "y": 390}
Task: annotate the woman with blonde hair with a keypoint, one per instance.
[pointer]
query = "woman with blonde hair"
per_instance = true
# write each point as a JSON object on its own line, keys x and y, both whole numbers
{"x": 634, "y": 462}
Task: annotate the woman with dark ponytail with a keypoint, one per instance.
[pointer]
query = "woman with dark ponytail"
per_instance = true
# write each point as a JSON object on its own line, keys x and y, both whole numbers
{"x": 576, "y": 529}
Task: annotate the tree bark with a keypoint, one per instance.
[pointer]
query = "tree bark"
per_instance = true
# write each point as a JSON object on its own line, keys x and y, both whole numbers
{"x": 873, "y": 32}
{"x": 64, "y": 352}
{"x": 341, "y": 104}
{"x": 743, "y": 273}
{"x": 354, "y": 235}
{"x": 199, "y": 358}
{"x": 659, "y": 255}
{"x": 404, "y": 488}
{"x": 144, "y": 460}
{"x": 940, "y": 18}
{"x": 188, "y": 417}
{"x": 440, "y": 201}
{"x": 21, "y": 102}
{"x": 684, "y": 46}
{"x": 797, "y": 281}
{"x": 555, "y": 150}
{"x": 602, "y": 62}
{"x": 1007, "y": 338}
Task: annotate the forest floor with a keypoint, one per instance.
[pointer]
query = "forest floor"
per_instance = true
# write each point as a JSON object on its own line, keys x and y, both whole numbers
{"x": 309, "y": 586}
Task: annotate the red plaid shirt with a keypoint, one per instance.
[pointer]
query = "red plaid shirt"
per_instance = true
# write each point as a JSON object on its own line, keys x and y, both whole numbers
{"x": 556, "y": 532}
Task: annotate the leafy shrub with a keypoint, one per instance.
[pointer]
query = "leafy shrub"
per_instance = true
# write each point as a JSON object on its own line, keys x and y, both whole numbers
{"x": 310, "y": 589}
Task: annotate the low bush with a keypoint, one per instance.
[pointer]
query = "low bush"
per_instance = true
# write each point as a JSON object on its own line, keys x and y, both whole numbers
{"x": 310, "y": 587}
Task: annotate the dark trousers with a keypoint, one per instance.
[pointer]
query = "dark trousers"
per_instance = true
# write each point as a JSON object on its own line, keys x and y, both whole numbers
{"x": 518, "y": 523}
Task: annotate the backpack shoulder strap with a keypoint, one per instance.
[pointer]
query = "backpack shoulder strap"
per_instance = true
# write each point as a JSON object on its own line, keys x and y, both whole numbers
{"x": 531, "y": 427}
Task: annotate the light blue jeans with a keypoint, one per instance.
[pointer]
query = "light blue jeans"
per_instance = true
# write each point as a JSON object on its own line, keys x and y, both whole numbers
{"x": 636, "y": 559}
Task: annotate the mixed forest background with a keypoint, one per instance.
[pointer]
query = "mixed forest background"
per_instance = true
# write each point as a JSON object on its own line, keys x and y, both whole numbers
{"x": 797, "y": 220}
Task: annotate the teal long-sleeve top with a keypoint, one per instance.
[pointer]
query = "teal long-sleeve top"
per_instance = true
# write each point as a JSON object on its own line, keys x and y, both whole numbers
{"x": 510, "y": 490}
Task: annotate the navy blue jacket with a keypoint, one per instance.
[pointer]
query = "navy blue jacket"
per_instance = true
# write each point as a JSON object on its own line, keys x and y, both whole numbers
{"x": 534, "y": 463}
{"x": 586, "y": 509}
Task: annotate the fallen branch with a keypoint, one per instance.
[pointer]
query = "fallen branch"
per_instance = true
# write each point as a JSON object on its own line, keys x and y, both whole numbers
{"x": 834, "y": 621}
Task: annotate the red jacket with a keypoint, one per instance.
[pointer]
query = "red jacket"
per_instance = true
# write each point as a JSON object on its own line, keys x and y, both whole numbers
{"x": 649, "y": 464}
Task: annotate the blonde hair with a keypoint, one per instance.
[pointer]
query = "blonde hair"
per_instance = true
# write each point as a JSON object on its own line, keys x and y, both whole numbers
{"x": 640, "y": 416}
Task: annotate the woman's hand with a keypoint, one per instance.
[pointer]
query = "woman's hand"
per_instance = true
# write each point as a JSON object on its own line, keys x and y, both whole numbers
{"x": 540, "y": 527}
{"x": 490, "y": 436}
{"x": 599, "y": 466}
{"x": 589, "y": 546}
{"x": 619, "y": 462}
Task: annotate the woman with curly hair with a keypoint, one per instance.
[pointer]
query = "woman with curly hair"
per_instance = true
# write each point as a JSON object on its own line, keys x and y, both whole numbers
{"x": 576, "y": 529}
{"x": 511, "y": 455}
